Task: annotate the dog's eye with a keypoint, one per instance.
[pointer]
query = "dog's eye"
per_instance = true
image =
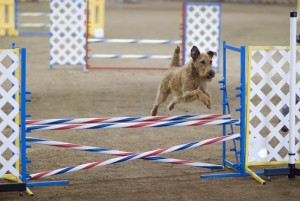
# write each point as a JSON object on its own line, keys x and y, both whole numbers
{"x": 202, "y": 62}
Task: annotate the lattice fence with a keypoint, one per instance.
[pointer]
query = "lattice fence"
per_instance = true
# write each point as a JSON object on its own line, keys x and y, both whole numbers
{"x": 202, "y": 28}
{"x": 269, "y": 93}
{"x": 68, "y": 32}
{"x": 9, "y": 112}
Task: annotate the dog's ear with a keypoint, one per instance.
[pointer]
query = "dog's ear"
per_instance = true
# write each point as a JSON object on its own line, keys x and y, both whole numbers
{"x": 195, "y": 52}
{"x": 211, "y": 54}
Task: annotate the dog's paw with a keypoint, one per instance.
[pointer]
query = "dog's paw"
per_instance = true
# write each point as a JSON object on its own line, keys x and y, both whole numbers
{"x": 204, "y": 99}
{"x": 209, "y": 104}
{"x": 154, "y": 111}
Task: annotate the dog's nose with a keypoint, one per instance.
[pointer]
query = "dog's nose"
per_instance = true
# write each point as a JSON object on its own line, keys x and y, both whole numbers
{"x": 211, "y": 73}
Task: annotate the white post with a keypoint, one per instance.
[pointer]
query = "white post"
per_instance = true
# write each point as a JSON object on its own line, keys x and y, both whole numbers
{"x": 298, "y": 7}
{"x": 292, "y": 130}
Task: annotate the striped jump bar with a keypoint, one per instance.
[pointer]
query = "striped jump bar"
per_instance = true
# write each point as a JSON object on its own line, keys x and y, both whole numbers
{"x": 34, "y": 25}
{"x": 36, "y": 14}
{"x": 126, "y": 119}
{"x": 120, "y": 153}
{"x": 132, "y": 157}
{"x": 144, "y": 41}
{"x": 129, "y": 56}
{"x": 129, "y": 125}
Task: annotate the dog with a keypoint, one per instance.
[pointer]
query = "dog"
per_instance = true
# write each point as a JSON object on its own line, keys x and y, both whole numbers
{"x": 187, "y": 82}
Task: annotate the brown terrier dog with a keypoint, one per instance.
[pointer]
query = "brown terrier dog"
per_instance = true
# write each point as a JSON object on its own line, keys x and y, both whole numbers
{"x": 188, "y": 82}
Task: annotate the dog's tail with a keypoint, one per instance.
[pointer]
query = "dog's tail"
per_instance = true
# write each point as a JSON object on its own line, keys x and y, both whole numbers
{"x": 176, "y": 58}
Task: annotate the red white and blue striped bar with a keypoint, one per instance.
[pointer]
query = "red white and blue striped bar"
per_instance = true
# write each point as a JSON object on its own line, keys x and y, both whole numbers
{"x": 132, "y": 157}
{"x": 120, "y": 153}
{"x": 126, "y": 119}
{"x": 129, "y": 56}
{"x": 143, "y": 41}
{"x": 130, "y": 125}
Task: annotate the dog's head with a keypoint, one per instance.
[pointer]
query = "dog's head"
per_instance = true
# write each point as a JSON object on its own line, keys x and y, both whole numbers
{"x": 202, "y": 63}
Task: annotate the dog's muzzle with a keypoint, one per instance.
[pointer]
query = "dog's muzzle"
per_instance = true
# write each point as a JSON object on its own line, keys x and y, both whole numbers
{"x": 210, "y": 74}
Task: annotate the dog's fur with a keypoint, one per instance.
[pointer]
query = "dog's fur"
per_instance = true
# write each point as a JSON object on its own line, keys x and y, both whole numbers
{"x": 187, "y": 83}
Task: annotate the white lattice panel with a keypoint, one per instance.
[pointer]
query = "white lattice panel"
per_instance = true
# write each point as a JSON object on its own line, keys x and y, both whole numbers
{"x": 68, "y": 32}
{"x": 9, "y": 112}
{"x": 202, "y": 23}
{"x": 269, "y": 92}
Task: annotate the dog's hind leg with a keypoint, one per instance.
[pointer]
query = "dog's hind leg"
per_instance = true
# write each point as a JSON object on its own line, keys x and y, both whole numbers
{"x": 176, "y": 58}
{"x": 161, "y": 97}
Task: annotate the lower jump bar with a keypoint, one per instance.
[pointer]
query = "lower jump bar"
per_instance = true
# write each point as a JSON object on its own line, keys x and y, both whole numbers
{"x": 132, "y": 157}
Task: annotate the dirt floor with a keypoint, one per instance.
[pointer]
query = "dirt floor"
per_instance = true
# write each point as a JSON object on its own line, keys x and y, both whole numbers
{"x": 69, "y": 92}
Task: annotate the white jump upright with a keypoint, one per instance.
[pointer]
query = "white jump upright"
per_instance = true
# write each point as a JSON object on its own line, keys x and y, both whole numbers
{"x": 291, "y": 171}
{"x": 11, "y": 153}
{"x": 202, "y": 27}
{"x": 68, "y": 28}
{"x": 292, "y": 116}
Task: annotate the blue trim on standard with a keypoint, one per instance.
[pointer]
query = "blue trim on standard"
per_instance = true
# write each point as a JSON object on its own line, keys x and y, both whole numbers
{"x": 23, "y": 115}
{"x": 238, "y": 166}
{"x": 233, "y": 166}
{"x": 238, "y": 50}
{"x": 226, "y": 108}
{"x": 232, "y": 48}
{"x": 48, "y": 183}
{"x": 225, "y": 101}
{"x": 243, "y": 109}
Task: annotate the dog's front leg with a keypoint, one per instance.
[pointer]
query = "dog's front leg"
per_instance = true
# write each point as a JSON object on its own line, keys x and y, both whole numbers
{"x": 187, "y": 96}
{"x": 192, "y": 95}
{"x": 203, "y": 88}
{"x": 209, "y": 98}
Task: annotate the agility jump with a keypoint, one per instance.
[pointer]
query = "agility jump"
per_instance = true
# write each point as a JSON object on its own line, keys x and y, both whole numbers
{"x": 206, "y": 34}
{"x": 105, "y": 122}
